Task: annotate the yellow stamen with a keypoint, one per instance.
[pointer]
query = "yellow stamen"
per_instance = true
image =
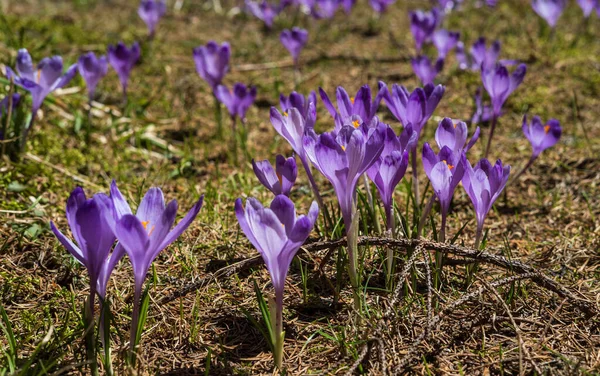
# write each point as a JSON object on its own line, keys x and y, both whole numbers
{"x": 356, "y": 124}
{"x": 343, "y": 148}
{"x": 546, "y": 129}
{"x": 39, "y": 75}
{"x": 450, "y": 167}
{"x": 455, "y": 124}
{"x": 352, "y": 100}
{"x": 145, "y": 224}
{"x": 285, "y": 114}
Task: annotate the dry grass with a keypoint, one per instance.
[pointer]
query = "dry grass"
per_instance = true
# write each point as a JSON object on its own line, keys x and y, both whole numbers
{"x": 547, "y": 220}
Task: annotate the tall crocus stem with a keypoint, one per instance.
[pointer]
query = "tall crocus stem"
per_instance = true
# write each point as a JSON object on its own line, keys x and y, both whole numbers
{"x": 89, "y": 333}
{"x": 103, "y": 329}
{"x": 425, "y": 214}
{"x": 352, "y": 236}
{"x": 439, "y": 256}
{"x": 135, "y": 318}
{"x": 492, "y": 127}
{"x": 234, "y": 139}
{"x": 314, "y": 187}
{"x": 279, "y": 335}
{"x": 124, "y": 96}
{"x": 525, "y": 168}
{"x": 27, "y": 131}
{"x": 218, "y": 116}
{"x": 478, "y": 235}
{"x": 413, "y": 160}
{"x": 88, "y": 128}
{"x": 391, "y": 228}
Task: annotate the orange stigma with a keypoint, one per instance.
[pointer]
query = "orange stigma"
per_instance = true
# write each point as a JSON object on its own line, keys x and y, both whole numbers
{"x": 356, "y": 124}
{"x": 39, "y": 75}
{"x": 450, "y": 167}
{"x": 145, "y": 224}
{"x": 352, "y": 100}
{"x": 285, "y": 114}
{"x": 455, "y": 124}
{"x": 280, "y": 179}
{"x": 546, "y": 129}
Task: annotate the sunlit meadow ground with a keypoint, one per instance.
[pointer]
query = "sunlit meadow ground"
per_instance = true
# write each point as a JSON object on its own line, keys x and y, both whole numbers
{"x": 166, "y": 138}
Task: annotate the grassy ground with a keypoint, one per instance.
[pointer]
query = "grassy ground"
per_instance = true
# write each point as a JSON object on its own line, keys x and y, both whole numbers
{"x": 166, "y": 137}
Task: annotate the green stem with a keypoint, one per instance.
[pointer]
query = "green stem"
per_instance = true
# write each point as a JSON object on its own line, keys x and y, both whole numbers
{"x": 89, "y": 333}
{"x": 413, "y": 160}
{"x": 352, "y": 237}
{"x": 391, "y": 228}
{"x": 135, "y": 317}
{"x": 279, "y": 334}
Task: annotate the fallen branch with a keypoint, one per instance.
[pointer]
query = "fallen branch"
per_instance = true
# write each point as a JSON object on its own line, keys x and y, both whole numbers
{"x": 589, "y": 308}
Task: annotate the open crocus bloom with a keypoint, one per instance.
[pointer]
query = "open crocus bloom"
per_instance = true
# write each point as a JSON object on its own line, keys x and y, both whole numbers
{"x": 454, "y": 136}
{"x": 212, "y": 62}
{"x": 89, "y": 220}
{"x": 263, "y": 11}
{"x": 238, "y": 100}
{"x": 360, "y": 105}
{"x": 279, "y": 180}
{"x": 92, "y": 69}
{"x": 145, "y": 234}
{"x": 123, "y": 59}
{"x": 444, "y": 170}
{"x": 549, "y": 10}
{"x": 479, "y": 55}
{"x": 294, "y": 41}
{"x": 422, "y": 26}
{"x": 414, "y": 108}
{"x": 41, "y": 81}
{"x": 484, "y": 183}
{"x": 500, "y": 84}
{"x": 541, "y": 136}
{"x": 343, "y": 157}
{"x": 307, "y": 107}
{"x": 151, "y": 11}
{"x": 426, "y": 71}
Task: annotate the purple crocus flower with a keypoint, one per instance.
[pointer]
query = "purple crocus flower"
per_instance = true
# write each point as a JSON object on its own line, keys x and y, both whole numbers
{"x": 151, "y": 11}
{"x": 391, "y": 166}
{"x": 263, "y": 11}
{"x": 325, "y": 8}
{"x": 212, "y": 62}
{"x": 348, "y": 5}
{"x": 361, "y": 105}
{"x": 306, "y": 106}
{"x": 293, "y": 126}
{"x": 343, "y": 157}
{"x": 89, "y": 222}
{"x": 16, "y": 99}
{"x": 444, "y": 170}
{"x": 587, "y": 6}
{"x": 92, "y": 69}
{"x": 479, "y": 55}
{"x": 445, "y": 41}
{"x": 484, "y": 183}
{"x": 499, "y": 84}
{"x": 423, "y": 68}
{"x": 482, "y": 113}
{"x": 145, "y": 234}
{"x": 279, "y": 180}
{"x": 41, "y": 81}
{"x": 422, "y": 25}
{"x": 294, "y": 41}
{"x": 381, "y": 6}
{"x": 238, "y": 100}
{"x": 414, "y": 108}
{"x": 541, "y": 136}
{"x": 277, "y": 234}
{"x": 454, "y": 136}
{"x": 122, "y": 59}
{"x": 549, "y": 10}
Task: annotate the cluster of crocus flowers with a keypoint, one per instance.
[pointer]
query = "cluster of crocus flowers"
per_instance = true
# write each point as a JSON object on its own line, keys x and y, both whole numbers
{"x": 151, "y": 11}
{"x": 40, "y": 81}
{"x": 294, "y": 41}
{"x": 92, "y": 69}
{"x": 549, "y": 10}
{"x": 95, "y": 224}
{"x": 277, "y": 233}
{"x": 541, "y": 137}
{"x": 500, "y": 84}
{"x": 123, "y": 59}
{"x": 343, "y": 157}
